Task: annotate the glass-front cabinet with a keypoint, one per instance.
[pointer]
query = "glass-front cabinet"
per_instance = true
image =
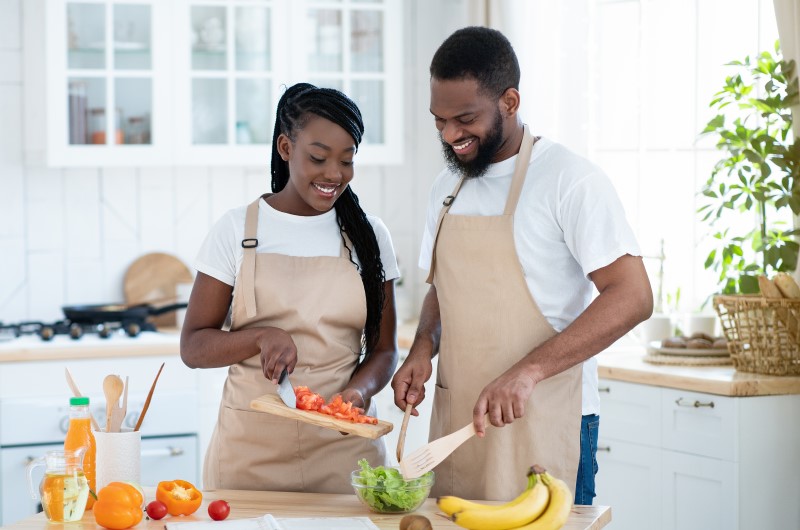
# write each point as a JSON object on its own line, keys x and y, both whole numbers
{"x": 188, "y": 82}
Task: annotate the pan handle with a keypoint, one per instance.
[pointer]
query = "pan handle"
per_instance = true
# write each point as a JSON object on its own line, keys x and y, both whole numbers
{"x": 154, "y": 311}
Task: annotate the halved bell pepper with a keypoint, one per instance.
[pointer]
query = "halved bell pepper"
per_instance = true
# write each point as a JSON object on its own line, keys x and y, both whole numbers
{"x": 118, "y": 506}
{"x": 181, "y": 497}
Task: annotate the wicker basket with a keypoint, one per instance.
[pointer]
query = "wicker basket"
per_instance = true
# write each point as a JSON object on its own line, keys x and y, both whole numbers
{"x": 763, "y": 333}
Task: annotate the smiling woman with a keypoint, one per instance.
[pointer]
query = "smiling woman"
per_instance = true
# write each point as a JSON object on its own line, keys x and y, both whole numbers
{"x": 309, "y": 279}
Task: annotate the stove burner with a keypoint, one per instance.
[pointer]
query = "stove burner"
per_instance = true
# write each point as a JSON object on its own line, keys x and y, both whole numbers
{"x": 75, "y": 330}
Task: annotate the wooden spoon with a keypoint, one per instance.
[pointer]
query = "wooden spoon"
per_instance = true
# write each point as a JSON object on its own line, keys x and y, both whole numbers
{"x": 112, "y": 388}
{"x": 147, "y": 401}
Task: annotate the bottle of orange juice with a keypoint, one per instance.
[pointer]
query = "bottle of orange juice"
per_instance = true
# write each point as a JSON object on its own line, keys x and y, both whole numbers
{"x": 79, "y": 434}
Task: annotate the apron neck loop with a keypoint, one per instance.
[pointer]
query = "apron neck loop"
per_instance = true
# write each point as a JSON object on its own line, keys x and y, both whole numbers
{"x": 520, "y": 170}
{"x": 249, "y": 244}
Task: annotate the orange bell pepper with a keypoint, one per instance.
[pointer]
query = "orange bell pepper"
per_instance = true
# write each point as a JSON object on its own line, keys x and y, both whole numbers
{"x": 118, "y": 506}
{"x": 181, "y": 497}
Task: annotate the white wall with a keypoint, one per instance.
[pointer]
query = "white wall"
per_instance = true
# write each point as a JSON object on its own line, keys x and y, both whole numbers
{"x": 68, "y": 235}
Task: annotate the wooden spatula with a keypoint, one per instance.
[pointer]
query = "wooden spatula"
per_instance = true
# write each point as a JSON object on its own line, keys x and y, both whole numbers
{"x": 401, "y": 440}
{"x": 428, "y": 456}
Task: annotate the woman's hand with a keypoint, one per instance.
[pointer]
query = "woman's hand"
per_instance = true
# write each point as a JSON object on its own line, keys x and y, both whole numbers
{"x": 278, "y": 351}
{"x": 355, "y": 397}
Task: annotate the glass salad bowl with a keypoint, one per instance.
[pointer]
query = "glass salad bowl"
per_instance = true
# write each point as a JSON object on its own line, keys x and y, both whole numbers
{"x": 384, "y": 490}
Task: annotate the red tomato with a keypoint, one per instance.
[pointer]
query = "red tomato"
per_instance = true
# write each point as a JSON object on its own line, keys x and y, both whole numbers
{"x": 219, "y": 510}
{"x": 156, "y": 510}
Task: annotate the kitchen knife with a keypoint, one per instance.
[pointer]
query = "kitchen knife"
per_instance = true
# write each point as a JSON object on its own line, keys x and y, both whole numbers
{"x": 286, "y": 390}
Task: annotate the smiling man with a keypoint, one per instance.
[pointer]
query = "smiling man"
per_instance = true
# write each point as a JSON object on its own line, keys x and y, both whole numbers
{"x": 519, "y": 232}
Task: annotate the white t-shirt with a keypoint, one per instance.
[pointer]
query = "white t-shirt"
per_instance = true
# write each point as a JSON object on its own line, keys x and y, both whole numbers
{"x": 568, "y": 223}
{"x": 221, "y": 254}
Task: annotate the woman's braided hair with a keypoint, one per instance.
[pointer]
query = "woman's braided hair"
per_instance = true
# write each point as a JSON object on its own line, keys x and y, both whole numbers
{"x": 295, "y": 107}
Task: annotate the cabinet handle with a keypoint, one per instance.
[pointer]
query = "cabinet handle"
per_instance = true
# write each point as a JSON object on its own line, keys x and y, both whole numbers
{"x": 696, "y": 404}
{"x": 606, "y": 448}
{"x": 606, "y": 389}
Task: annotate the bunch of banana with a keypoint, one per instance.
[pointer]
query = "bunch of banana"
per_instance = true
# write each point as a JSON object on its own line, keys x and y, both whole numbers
{"x": 543, "y": 505}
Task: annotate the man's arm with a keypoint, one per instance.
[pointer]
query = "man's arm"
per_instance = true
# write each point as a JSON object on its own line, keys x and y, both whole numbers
{"x": 625, "y": 299}
{"x": 409, "y": 381}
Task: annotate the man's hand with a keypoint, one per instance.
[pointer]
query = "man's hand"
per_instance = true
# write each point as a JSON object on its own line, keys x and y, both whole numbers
{"x": 503, "y": 400}
{"x": 278, "y": 351}
{"x": 409, "y": 381}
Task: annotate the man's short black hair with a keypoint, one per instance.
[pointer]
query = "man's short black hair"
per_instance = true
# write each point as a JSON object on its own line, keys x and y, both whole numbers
{"x": 483, "y": 54}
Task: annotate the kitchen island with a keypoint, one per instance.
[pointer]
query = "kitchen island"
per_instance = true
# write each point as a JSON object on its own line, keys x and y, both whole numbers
{"x": 250, "y": 504}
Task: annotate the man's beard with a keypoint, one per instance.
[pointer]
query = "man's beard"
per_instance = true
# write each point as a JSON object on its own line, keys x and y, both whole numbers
{"x": 487, "y": 148}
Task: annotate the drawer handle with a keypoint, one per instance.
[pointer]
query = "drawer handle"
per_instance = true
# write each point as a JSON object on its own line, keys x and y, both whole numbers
{"x": 166, "y": 451}
{"x": 606, "y": 448}
{"x": 696, "y": 404}
{"x": 606, "y": 389}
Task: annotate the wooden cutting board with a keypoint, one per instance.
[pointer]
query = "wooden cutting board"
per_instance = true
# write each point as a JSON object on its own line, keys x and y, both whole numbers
{"x": 272, "y": 404}
{"x": 153, "y": 278}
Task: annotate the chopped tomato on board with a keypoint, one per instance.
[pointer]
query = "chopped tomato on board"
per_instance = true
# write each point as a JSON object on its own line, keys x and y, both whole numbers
{"x": 338, "y": 408}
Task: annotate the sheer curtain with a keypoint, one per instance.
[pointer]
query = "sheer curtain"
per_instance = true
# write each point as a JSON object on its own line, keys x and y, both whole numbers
{"x": 787, "y": 13}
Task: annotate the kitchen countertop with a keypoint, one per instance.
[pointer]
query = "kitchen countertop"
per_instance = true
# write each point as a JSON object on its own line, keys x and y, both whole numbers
{"x": 248, "y": 504}
{"x": 32, "y": 348}
{"x": 625, "y": 362}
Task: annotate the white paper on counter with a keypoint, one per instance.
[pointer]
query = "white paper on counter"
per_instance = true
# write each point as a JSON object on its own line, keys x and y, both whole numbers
{"x": 265, "y": 522}
{"x": 268, "y": 522}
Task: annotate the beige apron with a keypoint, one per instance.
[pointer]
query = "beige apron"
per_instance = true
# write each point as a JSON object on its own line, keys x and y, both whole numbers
{"x": 320, "y": 302}
{"x": 489, "y": 322}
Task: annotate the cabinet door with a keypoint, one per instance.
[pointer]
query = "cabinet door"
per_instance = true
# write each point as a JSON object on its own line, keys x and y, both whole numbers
{"x": 699, "y": 493}
{"x": 629, "y": 480}
{"x": 106, "y": 83}
{"x": 17, "y": 502}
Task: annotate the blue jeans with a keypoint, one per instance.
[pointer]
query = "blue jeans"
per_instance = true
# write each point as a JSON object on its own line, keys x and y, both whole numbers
{"x": 587, "y": 468}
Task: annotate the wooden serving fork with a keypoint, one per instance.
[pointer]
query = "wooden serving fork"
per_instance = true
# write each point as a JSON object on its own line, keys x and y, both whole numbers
{"x": 428, "y": 456}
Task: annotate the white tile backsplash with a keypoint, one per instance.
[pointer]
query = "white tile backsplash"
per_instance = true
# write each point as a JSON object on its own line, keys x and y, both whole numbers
{"x": 10, "y": 24}
{"x": 10, "y": 66}
{"x": 82, "y": 214}
{"x": 46, "y": 282}
{"x": 11, "y": 123}
{"x": 11, "y": 201}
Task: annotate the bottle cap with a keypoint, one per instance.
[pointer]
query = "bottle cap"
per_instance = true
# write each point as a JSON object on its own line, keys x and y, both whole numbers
{"x": 79, "y": 401}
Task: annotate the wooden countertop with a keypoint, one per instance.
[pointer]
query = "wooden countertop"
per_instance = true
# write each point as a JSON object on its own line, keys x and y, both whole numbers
{"x": 248, "y": 504}
{"x": 31, "y": 348}
{"x": 625, "y": 362}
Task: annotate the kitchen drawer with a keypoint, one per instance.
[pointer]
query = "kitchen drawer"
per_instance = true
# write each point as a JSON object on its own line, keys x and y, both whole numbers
{"x": 630, "y": 412}
{"x": 699, "y": 424}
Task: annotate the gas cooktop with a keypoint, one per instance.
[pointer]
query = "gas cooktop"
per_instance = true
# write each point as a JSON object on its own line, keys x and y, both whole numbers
{"x": 46, "y": 331}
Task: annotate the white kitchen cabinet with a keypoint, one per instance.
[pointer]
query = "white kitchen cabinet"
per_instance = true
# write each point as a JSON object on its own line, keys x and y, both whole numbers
{"x": 677, "y": 460}
{"x": 188, "y": 82}
{"x": 626, "y": 468}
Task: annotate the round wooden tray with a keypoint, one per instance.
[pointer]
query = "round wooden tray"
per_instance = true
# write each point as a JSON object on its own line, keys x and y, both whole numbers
{"x": 655, "y": 348}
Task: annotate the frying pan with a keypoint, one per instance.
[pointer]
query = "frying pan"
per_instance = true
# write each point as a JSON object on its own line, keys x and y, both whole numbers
{"x": 102, "y": 313}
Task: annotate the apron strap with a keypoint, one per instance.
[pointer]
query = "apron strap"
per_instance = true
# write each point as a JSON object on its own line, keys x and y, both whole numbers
{"x": 448, "y": 201}
{"x": 249, "y": 244}
{"x": 520, "y": 170}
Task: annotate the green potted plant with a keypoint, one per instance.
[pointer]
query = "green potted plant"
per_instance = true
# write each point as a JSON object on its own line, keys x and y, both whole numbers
{"x": 759, "y": 175}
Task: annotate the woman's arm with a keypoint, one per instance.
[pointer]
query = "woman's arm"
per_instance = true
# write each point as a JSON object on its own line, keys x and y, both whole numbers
{"x": 205, "y": 345}
{"x": 376, "y": 372}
